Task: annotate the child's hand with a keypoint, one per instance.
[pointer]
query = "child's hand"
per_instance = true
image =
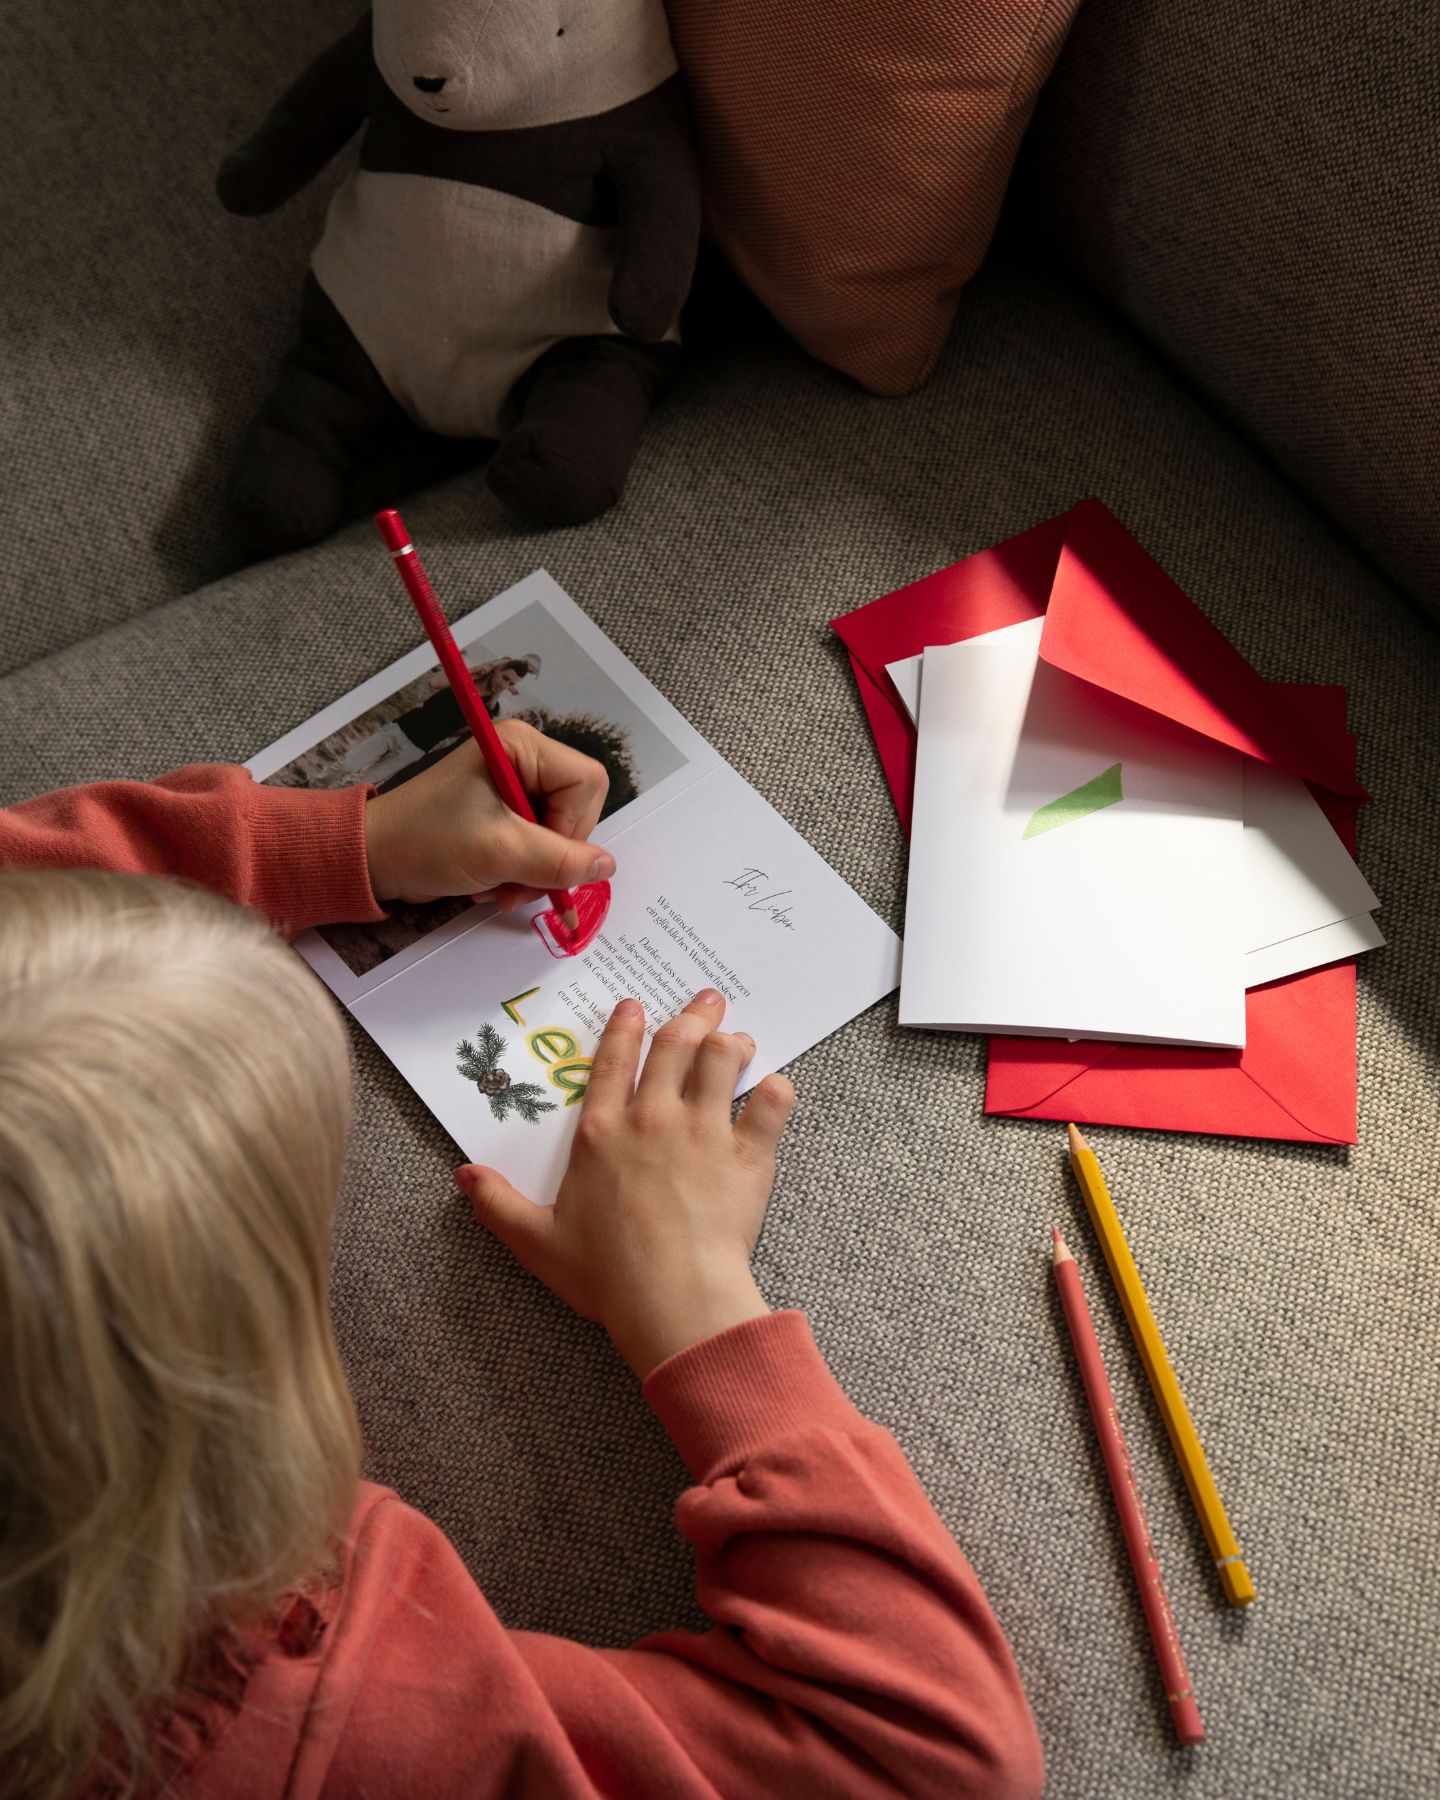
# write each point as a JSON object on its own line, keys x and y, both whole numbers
{"x": 448, "y": 832}
{"x": 661, "y": 1205}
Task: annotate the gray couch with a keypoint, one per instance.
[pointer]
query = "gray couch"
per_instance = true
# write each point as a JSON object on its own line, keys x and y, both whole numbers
{"x": 1213, "y": 303}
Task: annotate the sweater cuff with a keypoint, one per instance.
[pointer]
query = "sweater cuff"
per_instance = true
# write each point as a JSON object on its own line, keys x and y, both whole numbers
{"x": 732, "y": 1394}
{"x": 309, "y": 865}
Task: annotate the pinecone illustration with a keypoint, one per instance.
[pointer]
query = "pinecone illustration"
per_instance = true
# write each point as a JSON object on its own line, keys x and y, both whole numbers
{"x": 480, "y": 1062}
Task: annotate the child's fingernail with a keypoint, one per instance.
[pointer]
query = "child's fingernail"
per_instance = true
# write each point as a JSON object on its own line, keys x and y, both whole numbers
{"x": 465, "y": 1177}
{"x": 629, "y": 1009}
{"x": 746, "y": 1039}
{"x": 707, "y": 997}
{"x": 603, "y": 867}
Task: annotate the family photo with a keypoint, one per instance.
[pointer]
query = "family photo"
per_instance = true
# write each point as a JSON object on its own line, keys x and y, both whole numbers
{"x": 529, "y": 668}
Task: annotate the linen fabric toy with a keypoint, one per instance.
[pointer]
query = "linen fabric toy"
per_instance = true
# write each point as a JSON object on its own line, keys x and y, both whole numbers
{"x": 507, "y": 261}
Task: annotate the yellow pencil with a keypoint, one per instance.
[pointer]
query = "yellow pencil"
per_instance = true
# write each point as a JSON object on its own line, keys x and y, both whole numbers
{"x": 1234, "y": 1576}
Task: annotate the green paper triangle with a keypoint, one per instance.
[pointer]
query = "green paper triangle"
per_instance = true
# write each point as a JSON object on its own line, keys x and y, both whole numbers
{"x": 1103, "y": 790}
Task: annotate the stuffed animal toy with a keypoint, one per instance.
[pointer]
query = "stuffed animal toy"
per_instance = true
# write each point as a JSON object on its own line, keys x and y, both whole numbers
{"x": 507, "y": 262}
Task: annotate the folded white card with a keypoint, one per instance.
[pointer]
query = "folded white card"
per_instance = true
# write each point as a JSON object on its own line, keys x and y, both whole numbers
{"x": 1075, "y": 861}
{"x": 1306, "y": 902}
{"x": 712, "y": 888}
{"x": 1303, "y": 901}
{"x": 1313, "y": 949}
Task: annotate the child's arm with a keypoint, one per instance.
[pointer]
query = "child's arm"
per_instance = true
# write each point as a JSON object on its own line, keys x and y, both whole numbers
{"x": 296, "y": 855}
{"x": 852, "y": 1651}
{"x": 308, "y": 856}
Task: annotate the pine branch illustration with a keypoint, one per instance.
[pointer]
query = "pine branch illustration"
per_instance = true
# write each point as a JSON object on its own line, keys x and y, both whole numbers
{"x": 524, "y": 1097}
{"x": 476, "y": 1062}
{"x": 530, "y": 1100}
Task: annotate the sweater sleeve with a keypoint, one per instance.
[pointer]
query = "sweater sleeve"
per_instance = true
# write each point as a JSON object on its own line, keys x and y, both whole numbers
{"x": 295, "y": 854}
{"x": 852, "y": 1652}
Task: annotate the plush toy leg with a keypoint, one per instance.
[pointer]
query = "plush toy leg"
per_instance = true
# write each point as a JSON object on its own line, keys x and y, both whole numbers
{"x": 329, "y": 415}
{"x": 582, "y": 407}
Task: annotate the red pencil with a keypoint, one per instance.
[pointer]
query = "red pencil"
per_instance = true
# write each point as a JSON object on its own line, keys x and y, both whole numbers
{"x": 1138, "y": 1542}
{"x": 462, "y": 685}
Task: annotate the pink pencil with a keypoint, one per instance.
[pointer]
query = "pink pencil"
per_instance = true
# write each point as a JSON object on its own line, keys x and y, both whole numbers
{"x": 462, "y": 685}
{"x": 1138, "y": 1542}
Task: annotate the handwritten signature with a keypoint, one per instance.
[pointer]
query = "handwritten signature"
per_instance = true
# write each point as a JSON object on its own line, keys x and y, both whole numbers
{"x": 753, "y": 883}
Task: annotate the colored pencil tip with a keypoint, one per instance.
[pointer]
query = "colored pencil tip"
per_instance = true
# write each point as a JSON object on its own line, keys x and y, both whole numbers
{"x": 1189, "y": 1727}
{"x": 570, "y": 919}
{"x": 1077, "y": 1143}
{"x": 1235, "y": 1579}
{"x": 1059, "y": 1249}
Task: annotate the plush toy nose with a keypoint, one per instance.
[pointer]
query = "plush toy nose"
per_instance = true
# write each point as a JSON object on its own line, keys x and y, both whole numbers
{"x": 430, "y": 84}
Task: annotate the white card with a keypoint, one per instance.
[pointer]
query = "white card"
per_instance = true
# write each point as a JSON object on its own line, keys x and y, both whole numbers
{"x": 1075, "y": 860}
{"x": 1313, "y": 949}
{"x": 906, "y": 675}
{"x": 715, "y": 890}
{"x": 1298, "y": 880}
{"x": 712, "y": 888}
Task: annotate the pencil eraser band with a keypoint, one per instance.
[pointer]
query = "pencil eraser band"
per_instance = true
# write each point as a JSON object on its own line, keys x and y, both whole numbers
{"x": 592, "y": 905}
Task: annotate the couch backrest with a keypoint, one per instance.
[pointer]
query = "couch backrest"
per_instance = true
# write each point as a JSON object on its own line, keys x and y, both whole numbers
{"x": 1255, "y": 184}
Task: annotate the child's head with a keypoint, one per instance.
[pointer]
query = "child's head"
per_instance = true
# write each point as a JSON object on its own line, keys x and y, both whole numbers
{"x": 177, "y": 1444}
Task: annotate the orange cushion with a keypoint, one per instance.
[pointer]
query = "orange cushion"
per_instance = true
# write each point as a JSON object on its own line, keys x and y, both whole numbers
{"x": 855, "y": 157}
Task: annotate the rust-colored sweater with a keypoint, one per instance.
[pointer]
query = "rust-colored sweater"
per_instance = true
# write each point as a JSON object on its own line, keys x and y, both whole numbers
{"x": 851, "y": 1650}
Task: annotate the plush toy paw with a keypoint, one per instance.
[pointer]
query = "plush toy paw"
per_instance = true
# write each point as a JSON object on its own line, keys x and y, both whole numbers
{"x": 246, "y": 186}
{"x": 281, "y": 494}
{"x": 641, "y": 312}
{"x": 538, "y": 480}
{"x": 581, "y": 413}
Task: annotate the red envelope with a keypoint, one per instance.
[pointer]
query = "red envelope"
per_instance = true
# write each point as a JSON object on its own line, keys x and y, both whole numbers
{"x": 1113, "y": 617}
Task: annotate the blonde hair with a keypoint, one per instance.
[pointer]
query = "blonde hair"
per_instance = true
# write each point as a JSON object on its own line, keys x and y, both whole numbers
{"x": 178, "y": 1448}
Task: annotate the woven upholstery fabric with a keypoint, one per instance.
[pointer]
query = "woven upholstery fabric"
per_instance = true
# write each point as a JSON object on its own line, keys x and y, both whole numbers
{"x": 1294, "y": 1284}
{"x": 140, "y": 324}
{"x": 1255, "y": 186}
{"x": 855, "y": 158}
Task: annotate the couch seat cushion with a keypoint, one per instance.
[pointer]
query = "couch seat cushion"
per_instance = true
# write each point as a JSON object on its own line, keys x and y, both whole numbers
{"x": 1295, "y": 1285}
{"x": 140, "y": 325}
